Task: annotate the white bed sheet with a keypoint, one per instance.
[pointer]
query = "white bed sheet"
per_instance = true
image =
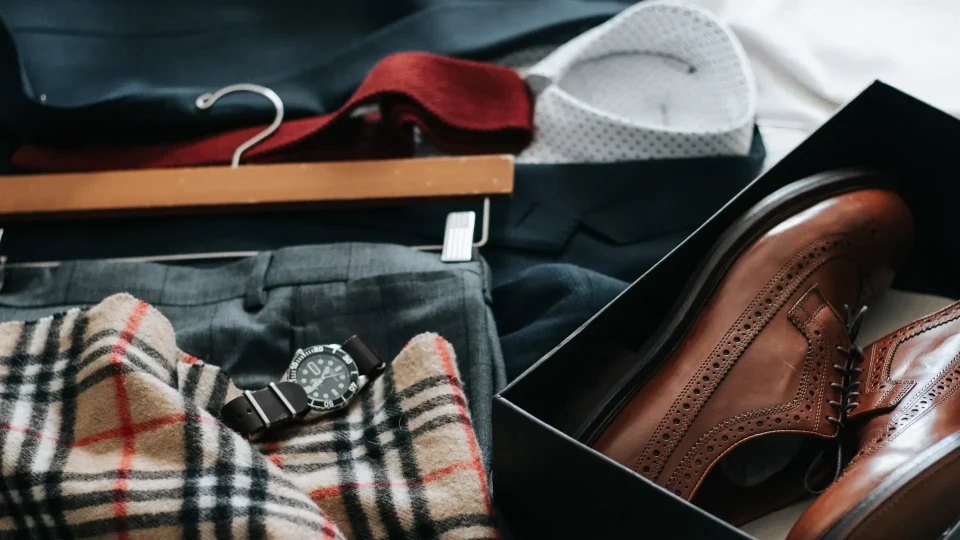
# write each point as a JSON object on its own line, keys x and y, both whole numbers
{"x": 811, "y": 56}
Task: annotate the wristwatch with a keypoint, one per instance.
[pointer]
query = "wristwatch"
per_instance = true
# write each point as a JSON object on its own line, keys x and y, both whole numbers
{"x": 321, "y": 379}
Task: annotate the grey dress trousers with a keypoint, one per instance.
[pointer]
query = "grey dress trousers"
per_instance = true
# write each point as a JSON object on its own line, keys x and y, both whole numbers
{"x": 250, "y": 316}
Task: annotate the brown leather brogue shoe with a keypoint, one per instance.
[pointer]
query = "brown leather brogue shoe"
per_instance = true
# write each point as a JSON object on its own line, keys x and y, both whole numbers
{"x": 749, "y": 351}
{"x": 904, "y": 479}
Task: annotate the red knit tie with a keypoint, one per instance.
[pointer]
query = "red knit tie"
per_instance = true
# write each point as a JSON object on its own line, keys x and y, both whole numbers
{"x": 461, "y": 107}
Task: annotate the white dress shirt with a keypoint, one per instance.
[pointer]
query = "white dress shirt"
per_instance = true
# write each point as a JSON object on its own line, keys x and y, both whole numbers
{"x": 657, "y": 81}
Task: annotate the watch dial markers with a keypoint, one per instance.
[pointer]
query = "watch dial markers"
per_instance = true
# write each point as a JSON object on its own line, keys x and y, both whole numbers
{"x": 328, "y": 375}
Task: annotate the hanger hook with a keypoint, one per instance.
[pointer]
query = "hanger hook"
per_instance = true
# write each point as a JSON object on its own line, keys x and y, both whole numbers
{"x": 207, "y": 100}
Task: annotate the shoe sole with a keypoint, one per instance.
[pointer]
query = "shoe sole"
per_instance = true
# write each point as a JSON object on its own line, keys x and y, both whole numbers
{"x": 762, "y": 217}
{"x": 932, "y": 478}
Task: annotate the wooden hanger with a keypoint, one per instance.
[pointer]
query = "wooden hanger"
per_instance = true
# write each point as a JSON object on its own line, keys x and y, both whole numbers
{"x": 259, "y": 187}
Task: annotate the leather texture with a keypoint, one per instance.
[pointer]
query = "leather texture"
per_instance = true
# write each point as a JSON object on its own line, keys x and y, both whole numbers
{"x": 758, "y": 358}
{"x": 368, "y": 363}
{"x": 909, "y": 405}
{"x": 241, "y": 416}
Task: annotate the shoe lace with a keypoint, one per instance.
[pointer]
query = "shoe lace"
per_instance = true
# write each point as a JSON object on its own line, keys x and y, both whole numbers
{"x": 848, "y": 394}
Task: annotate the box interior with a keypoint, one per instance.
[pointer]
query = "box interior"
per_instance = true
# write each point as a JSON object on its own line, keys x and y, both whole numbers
{"x": 883, "y": 129}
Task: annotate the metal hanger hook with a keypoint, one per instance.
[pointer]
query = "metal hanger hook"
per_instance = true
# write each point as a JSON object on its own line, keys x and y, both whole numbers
{"x": 207, "y": 100}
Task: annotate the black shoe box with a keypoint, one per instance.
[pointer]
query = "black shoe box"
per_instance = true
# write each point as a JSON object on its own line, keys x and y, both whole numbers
{"x": 549, "y": 485}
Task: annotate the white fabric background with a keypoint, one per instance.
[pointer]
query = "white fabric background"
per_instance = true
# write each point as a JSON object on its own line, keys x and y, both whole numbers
{"x": 810, "y": 56}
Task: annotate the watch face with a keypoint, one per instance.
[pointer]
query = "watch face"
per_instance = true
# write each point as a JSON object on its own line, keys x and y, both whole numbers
{"x": 329, "y": 376}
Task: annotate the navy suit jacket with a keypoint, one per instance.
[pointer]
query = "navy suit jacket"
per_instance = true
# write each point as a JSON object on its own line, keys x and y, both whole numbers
{"x": 102, "y": 69}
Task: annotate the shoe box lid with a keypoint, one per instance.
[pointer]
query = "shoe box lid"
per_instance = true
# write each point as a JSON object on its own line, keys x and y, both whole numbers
{"x": 548, "y": 485}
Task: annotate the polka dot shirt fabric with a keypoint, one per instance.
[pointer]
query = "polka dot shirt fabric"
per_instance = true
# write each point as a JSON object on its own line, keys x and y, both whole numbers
{"x": 658, "y": 81}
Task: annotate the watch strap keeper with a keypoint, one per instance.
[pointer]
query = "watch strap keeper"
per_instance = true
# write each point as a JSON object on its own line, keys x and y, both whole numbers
{"x": 255, "y": 412}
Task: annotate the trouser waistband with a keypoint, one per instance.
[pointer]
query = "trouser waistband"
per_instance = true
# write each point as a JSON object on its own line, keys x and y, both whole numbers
{"x": 90, "y": 281}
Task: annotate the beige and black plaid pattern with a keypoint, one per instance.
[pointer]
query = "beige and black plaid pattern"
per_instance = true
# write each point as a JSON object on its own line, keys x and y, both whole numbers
{"x": 107, "y": 428}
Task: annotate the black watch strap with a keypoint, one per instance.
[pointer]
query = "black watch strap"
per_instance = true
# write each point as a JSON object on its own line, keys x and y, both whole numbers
{"x": 367, "y": 361}
{"x": 255, "y": 412}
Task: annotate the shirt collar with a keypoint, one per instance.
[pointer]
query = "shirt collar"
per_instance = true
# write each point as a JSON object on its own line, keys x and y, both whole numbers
{"x": 657, "y": 81}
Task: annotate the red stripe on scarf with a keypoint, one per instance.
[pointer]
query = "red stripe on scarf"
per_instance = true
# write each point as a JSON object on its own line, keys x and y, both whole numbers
{"x": 126, "y": 418}
{"x": 140, "y": 428}
{"x": 467, "y": 425}
{"x": 331, "y": 491}
{"x": 327, "y": 530}
{"x": 270, "y": 451}
{"x": 33, "y": 433}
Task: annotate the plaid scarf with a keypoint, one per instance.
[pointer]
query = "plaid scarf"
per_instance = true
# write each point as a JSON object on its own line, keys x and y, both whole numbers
{"x": 106, "y": 428}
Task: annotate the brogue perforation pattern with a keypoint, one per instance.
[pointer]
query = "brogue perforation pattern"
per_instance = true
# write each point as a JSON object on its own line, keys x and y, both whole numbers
{"x": 805, "y": 412}
{"x": 942, "y": 387}
{"x": 748, "y": 326}
{"x": 886, "y": 350}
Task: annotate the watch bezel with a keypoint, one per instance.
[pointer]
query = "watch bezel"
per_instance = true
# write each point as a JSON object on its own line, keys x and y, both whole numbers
{"x": 333, "y": 350}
